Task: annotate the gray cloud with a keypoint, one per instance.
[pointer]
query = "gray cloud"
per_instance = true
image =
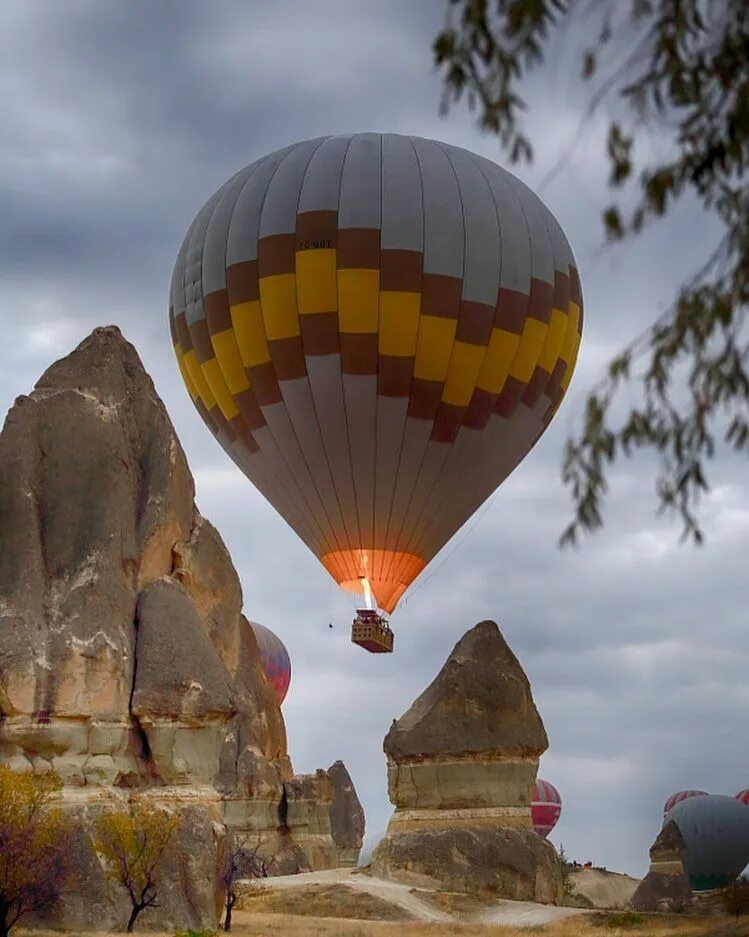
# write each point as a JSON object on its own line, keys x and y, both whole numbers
{"x": 120, "y": 120}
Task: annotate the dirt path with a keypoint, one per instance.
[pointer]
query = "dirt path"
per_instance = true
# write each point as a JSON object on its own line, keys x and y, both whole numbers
{"x": 393, "y": 892}
{"x": 523, "y": 914}
{"x": 515, "y": 913}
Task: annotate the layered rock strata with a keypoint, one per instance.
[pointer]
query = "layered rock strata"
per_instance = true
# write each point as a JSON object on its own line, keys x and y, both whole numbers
{"x": 666, "y": 886}
{"x": 126, "y": 664}
{"x": 461, "y": 766}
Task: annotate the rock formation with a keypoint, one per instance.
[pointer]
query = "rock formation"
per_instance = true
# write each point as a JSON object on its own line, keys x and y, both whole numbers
{"x": 665, "y": 887}
{"x": 461, "y": 767}
{"x": 346, "y": 816}
{"x": 126, "y": 664}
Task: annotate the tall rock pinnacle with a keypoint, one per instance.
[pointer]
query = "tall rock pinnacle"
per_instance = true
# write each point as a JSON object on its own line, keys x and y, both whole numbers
{"x": 126, "y": 664}
{"x": 461, "y": 766}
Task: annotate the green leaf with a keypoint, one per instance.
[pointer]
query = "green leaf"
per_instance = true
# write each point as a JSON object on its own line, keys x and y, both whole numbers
{"x": 613, "y": 223}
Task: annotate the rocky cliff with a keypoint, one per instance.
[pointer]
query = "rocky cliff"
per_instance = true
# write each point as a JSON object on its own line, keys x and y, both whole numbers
{"x": 126, "y": 664}
{"x": 461, "y": 766}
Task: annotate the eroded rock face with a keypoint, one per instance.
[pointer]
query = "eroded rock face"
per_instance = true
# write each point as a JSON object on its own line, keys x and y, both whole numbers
{"x": 346, "y": 816}
{"x": 125, "y": 663}
{"x": 479, "y": 703}
{"x": 190, "y": 892}
{"x": 665, "y": 887}
{"x": 183, "y": 696}
{"x": 478, "y": 860}
{"x": 461, "y": 766}
{"x": 306, "y": 817}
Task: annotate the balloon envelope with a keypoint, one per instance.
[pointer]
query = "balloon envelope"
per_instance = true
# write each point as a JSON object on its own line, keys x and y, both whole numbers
{"x": 716, "y": 834}
{"x": 678, "y": 797}
{"x": 743, "y": 796}
{"x": 546, "y": 807}
{"x": 275, "y": 659}
{"x": 377, "y": 329}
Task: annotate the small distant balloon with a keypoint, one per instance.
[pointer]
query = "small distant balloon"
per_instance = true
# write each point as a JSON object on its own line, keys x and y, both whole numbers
{"x": 546, "y": 807}
{"x": 715, "y": 829}
{"x": 743, "y": 796}
{"x": 678, "y": 797}
{"x": 275, "y": 659}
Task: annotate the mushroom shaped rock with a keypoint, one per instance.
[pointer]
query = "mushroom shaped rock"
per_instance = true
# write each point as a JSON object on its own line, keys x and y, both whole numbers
{"x": 462, "y": 762}
{"x": 665, "y": 887}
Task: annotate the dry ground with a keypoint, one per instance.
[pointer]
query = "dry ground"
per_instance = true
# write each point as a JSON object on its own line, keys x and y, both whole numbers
{"x": 334, "y": 901}
{"x": 282, "y": 925}
{"x": 276, "y": 925}
{"x": 342, "y": 903}
{"x": 285, "y": 925}
{"x": 343, "y": 892}
{"x": 346, "y": 903}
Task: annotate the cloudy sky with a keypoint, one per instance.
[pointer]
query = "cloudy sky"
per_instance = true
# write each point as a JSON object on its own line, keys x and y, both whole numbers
{"x": 119, "y": 120}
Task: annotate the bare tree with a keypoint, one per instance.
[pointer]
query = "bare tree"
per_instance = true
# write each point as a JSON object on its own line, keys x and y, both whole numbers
{"x": 242, "y": 862}
{"x": 132, "y": 844}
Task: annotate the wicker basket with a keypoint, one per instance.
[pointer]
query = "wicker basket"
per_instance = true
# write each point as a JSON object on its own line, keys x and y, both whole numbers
{"x": 372, "y": 632}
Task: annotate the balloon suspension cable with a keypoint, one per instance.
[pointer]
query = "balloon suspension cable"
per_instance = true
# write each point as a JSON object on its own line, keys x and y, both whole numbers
{"x": 456, "y": 545}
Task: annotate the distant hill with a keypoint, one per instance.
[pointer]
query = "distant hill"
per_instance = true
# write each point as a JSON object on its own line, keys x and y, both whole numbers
{"x": 610, "y": 890}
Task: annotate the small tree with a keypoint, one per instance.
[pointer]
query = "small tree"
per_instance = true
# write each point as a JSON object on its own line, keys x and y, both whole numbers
{"x": 132, "y": 844}
{"x": 566, "y": 868}
{"x": 242, "y": 862}
{"x": 31, "y": 835}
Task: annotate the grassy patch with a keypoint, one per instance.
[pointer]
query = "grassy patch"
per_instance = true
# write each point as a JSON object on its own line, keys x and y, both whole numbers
{"x": 621, "y": 920}
{"x": 336, "y": 901}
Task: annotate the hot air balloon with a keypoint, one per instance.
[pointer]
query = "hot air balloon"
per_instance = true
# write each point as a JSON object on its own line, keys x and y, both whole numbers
{"x": 377, "y": 329}
{"x": 275, "y": 659}
{"x": 743, "y": 796}
{"x": 715, "y": 829}
{"x": 546, "y": 806}
{"x": 678, "y": 797}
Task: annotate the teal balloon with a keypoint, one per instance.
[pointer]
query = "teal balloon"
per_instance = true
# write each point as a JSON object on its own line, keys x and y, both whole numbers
{"x": 715, "y": 830}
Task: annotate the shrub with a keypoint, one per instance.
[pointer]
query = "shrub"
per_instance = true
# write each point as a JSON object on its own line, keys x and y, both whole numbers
{"x": 31, "y": 845}
{"x": 566, "y": 868}
{"x": 735, "y": 897}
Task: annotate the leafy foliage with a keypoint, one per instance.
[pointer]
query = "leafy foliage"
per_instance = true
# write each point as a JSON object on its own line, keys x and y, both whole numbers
{"x": 31, "y": 845}
{"x": 684, "y": 77}
{"x": 566, "y": 869}
{"x": 132, "y": 844}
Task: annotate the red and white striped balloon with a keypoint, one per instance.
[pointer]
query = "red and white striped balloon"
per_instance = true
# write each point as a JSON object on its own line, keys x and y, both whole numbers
{"x": 743, "y": 796}
{"x": 678, "y": 797}
{"x": 546, "y": 806}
